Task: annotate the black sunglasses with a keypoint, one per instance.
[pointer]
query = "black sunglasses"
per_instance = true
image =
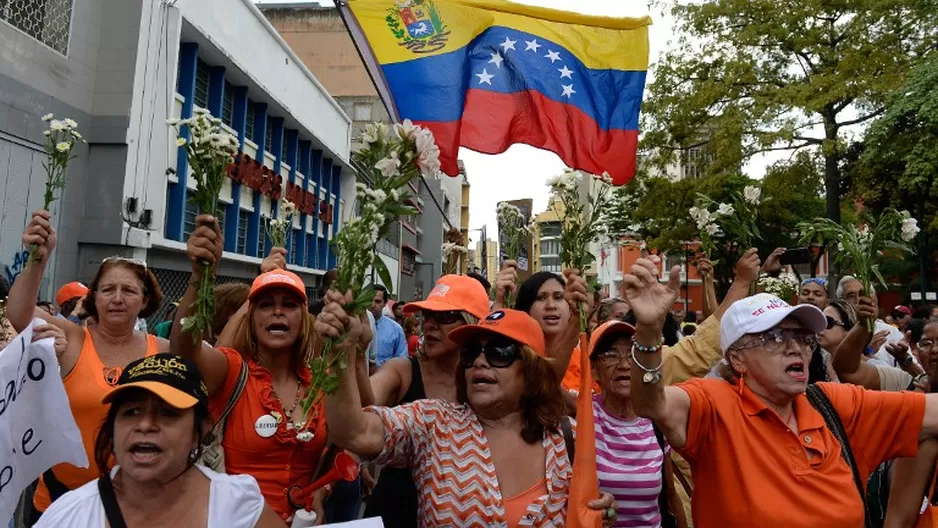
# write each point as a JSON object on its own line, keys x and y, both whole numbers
{"x": 831, "y": 323}
{"x": 443, "y": 318}
{"x": 499, "y": 353}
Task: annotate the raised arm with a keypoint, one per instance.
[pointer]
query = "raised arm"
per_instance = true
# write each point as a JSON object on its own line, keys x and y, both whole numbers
{"x": 506, "y": 283}
{"x": 574, "y": 292}
{"x": 205, "y": 244}
{"x": 847, "y": 359}
{"x": 705, "y": 269}
{"x": 351, "y": 428}
{"x": 668, "y": 407}
{"x": 390, "y": 382}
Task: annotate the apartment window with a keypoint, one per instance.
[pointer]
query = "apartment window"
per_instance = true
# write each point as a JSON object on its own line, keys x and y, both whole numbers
{"x": 188, "y": 222}
{"x": 550, "y": 229}
{"x": 242, "y": 244}
{"x": 202, "y": 82}
{"x": 294, "y": 234}
{"x": 550, "y": 246}
{"x": 362, "y": 112}
{"x": 47, "y": 21}
{"x": 283, "y": 149}
{"x": 269, "y": 144}
{"x": 262, "y": 242}
{"x": 227, "y": 105}
{"x": 551, "y": 264}
{"x": 408, "y": 262}
{"x": 249, "y": 128}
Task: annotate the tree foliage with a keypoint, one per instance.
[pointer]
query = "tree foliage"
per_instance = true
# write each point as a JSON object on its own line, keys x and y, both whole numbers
{"x": 749, "y": 76}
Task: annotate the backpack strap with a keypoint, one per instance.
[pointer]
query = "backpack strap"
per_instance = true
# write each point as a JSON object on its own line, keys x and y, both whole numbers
{"x": 823, "y": 405}
{"x": 232, "y": 400}
{"x": 664, "y": 503}
{"x": 567, "y": 429}
{"x": 54, "y": 485}
{"x": 112, "y": 509}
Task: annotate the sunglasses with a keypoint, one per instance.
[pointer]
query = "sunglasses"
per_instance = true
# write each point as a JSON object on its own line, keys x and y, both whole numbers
{"x": 443, "y": 318}
{"x": 820, "y": 282}
{"x": 135, "y": 262}
{"x": 777, "y": 340}
{"x": 831, "y": 323}
{"x": 500, "y": 353}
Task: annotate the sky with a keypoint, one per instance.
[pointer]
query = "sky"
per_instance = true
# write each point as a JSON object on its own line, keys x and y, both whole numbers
{"x": 523, "y": 171}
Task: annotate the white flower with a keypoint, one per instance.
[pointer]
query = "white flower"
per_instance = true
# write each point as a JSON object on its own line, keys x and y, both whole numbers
{"x": 389, "y": 166}
{"x": 606, "y": 178}
{"x": 287, "y": 209}
{"x": 75, "y": 134}
{"x": 48, "y": 117}
{"x": 711, "y": 229}
{"x": 752, "y": 194}
{"x": 406, "y": 130}
{"x": 370, "y": 134}
{"x": 304, "y": 436}
{"x": 701, "y": 216}
{"x": 64, "y": 146}
{"x": 70, "y": 123}
{"x": 199, "y": 111}
{"x": 46, "y": 132}
{"x": 864, "y": 232}
{"x": 180, "y": 142}
{"x": 725, "y": 209}
{"x": 56, "y": 125}
{"x": 909, "y": 229}
{"x": 172, "y": 121}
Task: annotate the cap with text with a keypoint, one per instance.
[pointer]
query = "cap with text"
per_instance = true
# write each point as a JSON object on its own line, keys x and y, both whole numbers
{"x": 278, "y": 279}
{"x": 513, "y": 324}
{"x": 764, "y": 311}
{"x": 175, "y": 380}
{"x": 454, "y": 293}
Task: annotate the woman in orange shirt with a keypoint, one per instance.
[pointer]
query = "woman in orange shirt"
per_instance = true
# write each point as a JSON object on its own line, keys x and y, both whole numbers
{"x": 266, "y": 435}
{"x": 762, "y": 452}
{"x": 122, "y": 290}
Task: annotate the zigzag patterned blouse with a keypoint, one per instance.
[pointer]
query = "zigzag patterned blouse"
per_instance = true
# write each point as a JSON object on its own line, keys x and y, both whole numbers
{"x": 446, "y": 449}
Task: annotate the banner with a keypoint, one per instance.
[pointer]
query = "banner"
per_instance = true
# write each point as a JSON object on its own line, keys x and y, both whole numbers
{"x": 37, "y": 430}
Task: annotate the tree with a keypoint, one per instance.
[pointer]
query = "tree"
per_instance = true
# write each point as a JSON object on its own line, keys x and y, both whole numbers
{"x": 896, "y": 164}
{"x": 656, "y": 209}
{"x": 750, "y": 76}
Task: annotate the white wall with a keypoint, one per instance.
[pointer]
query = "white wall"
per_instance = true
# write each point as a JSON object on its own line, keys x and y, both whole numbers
{"x": 452, "y": 186}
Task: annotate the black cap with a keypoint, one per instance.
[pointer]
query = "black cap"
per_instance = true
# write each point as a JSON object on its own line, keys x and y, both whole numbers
{"x": 175, "y": 380}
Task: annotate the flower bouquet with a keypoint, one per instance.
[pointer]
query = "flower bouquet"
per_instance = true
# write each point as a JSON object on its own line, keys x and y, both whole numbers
{"x": 785, "y": 286}
{"x": 452, "y": 251}
{"x": 513, "y": 228}
{"x": 388, "y": 159}
{"x": 277, "y": 228}
{"x": 730, "y": 226}
{"x": 61, "y": 137}
{"x": 861, "y": 249}
{"x": 210, "y": 150}
{"x": 582, "y": 223}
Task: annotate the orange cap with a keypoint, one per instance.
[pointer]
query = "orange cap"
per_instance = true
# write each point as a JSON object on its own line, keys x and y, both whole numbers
{"x": 278, "y": 279}
{"x": 70, "y": 291}
{"x": 609, "y": 329}
{"x": 454, "y": 293}
{"x": 513, "y": 324}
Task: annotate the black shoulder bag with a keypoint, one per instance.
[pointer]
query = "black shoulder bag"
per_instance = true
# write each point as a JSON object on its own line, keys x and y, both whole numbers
{"x": 823, "y": 405}
{"x": 567, "y": 429}
{"x": 112, "y": 509}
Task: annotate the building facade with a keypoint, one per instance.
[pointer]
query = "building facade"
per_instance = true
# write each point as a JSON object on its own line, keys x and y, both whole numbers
{"x": 413, "y": 250}
{"x": 121, "y": 68}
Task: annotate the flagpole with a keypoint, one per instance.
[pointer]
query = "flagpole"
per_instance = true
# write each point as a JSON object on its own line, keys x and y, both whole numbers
{"x": 368, "y": 58}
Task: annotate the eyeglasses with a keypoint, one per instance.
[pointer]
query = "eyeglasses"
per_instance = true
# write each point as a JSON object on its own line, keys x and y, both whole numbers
{"x": 777, "y": 339}
{"x": 927, "y": 343}
{"x": 443, "y": 318}
{"x": 613, "y": 357}
{"x": 831, "y": 323}
{"x": 136, "y": 262}
{"x": 498, "y": 353}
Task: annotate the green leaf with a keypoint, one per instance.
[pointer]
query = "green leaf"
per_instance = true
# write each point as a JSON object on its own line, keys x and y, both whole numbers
{"x": 382, "y": 269}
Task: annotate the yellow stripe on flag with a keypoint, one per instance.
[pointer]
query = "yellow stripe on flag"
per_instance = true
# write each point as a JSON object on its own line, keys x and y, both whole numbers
{"x": 406, "y": 30}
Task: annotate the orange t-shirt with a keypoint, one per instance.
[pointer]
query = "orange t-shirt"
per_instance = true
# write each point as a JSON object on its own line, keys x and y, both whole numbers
{"x": 571, "y": 380}
{"x": 751, "y": 470}
{"x": 517, "y": 506}
{"x": 86, "y": 386}
{"x": 278, "y": 461}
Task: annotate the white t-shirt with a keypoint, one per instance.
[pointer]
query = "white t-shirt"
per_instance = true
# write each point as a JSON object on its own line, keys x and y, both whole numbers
{"x": 235, "y": 501}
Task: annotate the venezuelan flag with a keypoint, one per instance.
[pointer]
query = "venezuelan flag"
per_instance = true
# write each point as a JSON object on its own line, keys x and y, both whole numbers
{"x": 485, "y": 74}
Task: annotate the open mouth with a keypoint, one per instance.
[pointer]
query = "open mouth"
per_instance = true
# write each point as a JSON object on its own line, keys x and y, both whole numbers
{"x": 797, "y": 371}
{"x": 430, "y": 339}
{"x": 143, "y": 452}
{"x": 278, "y": 329}
{"x": 551, "y": 319}
{"x": 622, "y": 377}
{"x": 482, "y": 379}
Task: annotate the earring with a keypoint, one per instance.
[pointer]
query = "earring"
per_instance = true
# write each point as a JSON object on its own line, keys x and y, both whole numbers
{"x": 739, "y": 385}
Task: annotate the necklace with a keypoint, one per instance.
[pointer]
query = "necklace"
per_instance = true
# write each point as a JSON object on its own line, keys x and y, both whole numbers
{"x": 289, "y": 414}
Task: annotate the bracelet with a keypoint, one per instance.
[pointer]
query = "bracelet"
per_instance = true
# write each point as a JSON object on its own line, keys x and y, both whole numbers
{"x": 652, "y": 375}
{"x": 647, "y": 349}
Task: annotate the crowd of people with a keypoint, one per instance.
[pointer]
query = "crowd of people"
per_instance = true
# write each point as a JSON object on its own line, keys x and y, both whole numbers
{"x": 461, "y": 409}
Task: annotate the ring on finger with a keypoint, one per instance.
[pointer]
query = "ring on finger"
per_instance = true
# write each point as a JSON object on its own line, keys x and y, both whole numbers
{"x": 610, "y": 513}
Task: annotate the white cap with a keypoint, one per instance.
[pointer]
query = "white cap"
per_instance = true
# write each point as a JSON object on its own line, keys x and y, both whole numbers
{"x": 763, "y": 311}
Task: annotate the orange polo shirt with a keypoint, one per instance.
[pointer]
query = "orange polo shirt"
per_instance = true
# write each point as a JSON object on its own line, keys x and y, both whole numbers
{"x": 751, "y": 470}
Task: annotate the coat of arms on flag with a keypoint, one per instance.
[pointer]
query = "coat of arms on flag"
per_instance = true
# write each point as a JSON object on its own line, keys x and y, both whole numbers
{"x": 416, "y": 24}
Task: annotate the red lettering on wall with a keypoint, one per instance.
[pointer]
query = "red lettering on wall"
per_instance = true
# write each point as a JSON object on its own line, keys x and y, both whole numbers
{"x": 250, "y": 172}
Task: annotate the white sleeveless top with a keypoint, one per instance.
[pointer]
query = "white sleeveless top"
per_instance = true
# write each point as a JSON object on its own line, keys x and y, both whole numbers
{"x": 235, "y": 501}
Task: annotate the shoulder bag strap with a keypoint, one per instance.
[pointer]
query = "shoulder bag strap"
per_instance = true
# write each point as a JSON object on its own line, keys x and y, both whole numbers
{"x": 568, "y": 437}
{"x": 232, "y": 400}
{"x": 823, "y": 405}
{"x": 664, "y": 504}
{"x": 112, "y": 509}
{"x": 54, "y": 485}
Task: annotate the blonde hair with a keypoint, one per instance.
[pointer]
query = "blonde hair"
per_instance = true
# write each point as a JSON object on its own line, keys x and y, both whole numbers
{"x": 245, "y": 342}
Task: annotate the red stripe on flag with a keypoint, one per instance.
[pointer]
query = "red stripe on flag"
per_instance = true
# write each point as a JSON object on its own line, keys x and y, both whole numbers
{"x": 494, "y": 121}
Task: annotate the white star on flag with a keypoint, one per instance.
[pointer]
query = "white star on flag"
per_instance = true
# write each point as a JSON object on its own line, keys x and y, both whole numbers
{"x": 508, "y": 44}
{"x": 532, "y": 45}
{"x": 568, "y": 91}
{"x": 496, "y": 59}
{"x": 553, "y": 56}
{"x": 485, "y": 77}
{"x": 566, "y": 72}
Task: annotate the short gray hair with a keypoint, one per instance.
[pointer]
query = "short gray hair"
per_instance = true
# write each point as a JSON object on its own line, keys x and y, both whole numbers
{"x": 839, "y": 294}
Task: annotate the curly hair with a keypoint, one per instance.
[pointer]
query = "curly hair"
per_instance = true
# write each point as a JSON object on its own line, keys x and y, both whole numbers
{"x": 245, "y": 342}
{"x": 151, "y": 288}
{"x": 542, "y": 404}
